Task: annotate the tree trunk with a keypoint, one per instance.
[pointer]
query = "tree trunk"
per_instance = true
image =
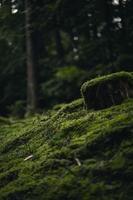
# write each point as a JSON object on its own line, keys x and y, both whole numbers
{"x": 58, "y": 39}
{"x": 123, "y": 23}
{"x": 108, "y": 31}
{"x": 30, "y": 59}
{"x": 59, "y": 45}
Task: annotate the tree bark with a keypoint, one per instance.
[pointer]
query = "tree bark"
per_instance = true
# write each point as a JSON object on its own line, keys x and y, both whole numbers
{"x": 59, "y": 45}
{"x": 108, "y": 31}
{"x": 123, "y": 23}
{"x": 30, "y": 60}
{"x": 58, "y": 38}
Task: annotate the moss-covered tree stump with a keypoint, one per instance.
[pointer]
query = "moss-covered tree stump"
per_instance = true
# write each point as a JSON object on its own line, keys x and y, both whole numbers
{"x": 106, "y": 91}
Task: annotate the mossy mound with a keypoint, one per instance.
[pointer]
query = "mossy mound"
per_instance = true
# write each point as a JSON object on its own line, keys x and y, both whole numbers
{"x": 76, "y": 154}
{"x": 106, "y": 91}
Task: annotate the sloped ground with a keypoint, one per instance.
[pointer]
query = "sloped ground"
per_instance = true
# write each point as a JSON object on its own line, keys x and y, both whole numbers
{"x": 77, "y": 154}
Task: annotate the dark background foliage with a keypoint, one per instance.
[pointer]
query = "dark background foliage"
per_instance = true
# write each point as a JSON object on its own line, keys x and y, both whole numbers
{"x": 72, "y": 40}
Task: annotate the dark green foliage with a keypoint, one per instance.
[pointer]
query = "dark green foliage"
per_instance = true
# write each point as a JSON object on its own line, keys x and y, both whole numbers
{"x": 64, "y": 86}
{"x": 18, "y": 109}
{"x": 95, "y": 40}
{"x": 107, "y": 90}
{"x": 125, "y": 62}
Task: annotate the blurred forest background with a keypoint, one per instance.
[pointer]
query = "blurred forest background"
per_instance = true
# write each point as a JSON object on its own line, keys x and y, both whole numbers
{"x": 49, "y": 48}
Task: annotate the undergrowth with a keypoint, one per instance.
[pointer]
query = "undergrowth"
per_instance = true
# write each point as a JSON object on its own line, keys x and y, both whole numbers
{"x": 76, "y": 154}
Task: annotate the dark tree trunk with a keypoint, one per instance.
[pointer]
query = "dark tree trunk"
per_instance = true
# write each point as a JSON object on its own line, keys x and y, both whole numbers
{"x": 121, "y": 10}
{"x": 59, "y": 45}
{"x": 8, "y": 4}
{"x": 58, "y": 39}
{"x": 108, "y": 30}
{"x": 31, "y": 62}
{"x": 123, "y": 23}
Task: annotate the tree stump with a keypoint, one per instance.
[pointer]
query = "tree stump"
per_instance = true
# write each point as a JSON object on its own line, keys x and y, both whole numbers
{"x": 106, "y": 91}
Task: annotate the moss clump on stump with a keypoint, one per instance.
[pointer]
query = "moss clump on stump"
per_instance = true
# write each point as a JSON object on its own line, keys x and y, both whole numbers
{"x": 106, "y": 91}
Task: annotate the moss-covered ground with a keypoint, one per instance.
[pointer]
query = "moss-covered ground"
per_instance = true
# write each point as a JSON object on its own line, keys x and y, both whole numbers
{"x": 76, "y": 154}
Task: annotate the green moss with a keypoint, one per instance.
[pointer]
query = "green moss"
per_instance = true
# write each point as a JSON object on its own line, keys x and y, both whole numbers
{"x": 4, "y": 120}
{"x": 73, "y": 106}
{"x": 101, "y": 140}
{"x": 107, "y": 90}
{"x": 110, "y": 77}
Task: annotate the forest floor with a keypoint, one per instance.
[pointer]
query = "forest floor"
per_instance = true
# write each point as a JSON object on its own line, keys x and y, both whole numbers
{"x": 68, "y": 154}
